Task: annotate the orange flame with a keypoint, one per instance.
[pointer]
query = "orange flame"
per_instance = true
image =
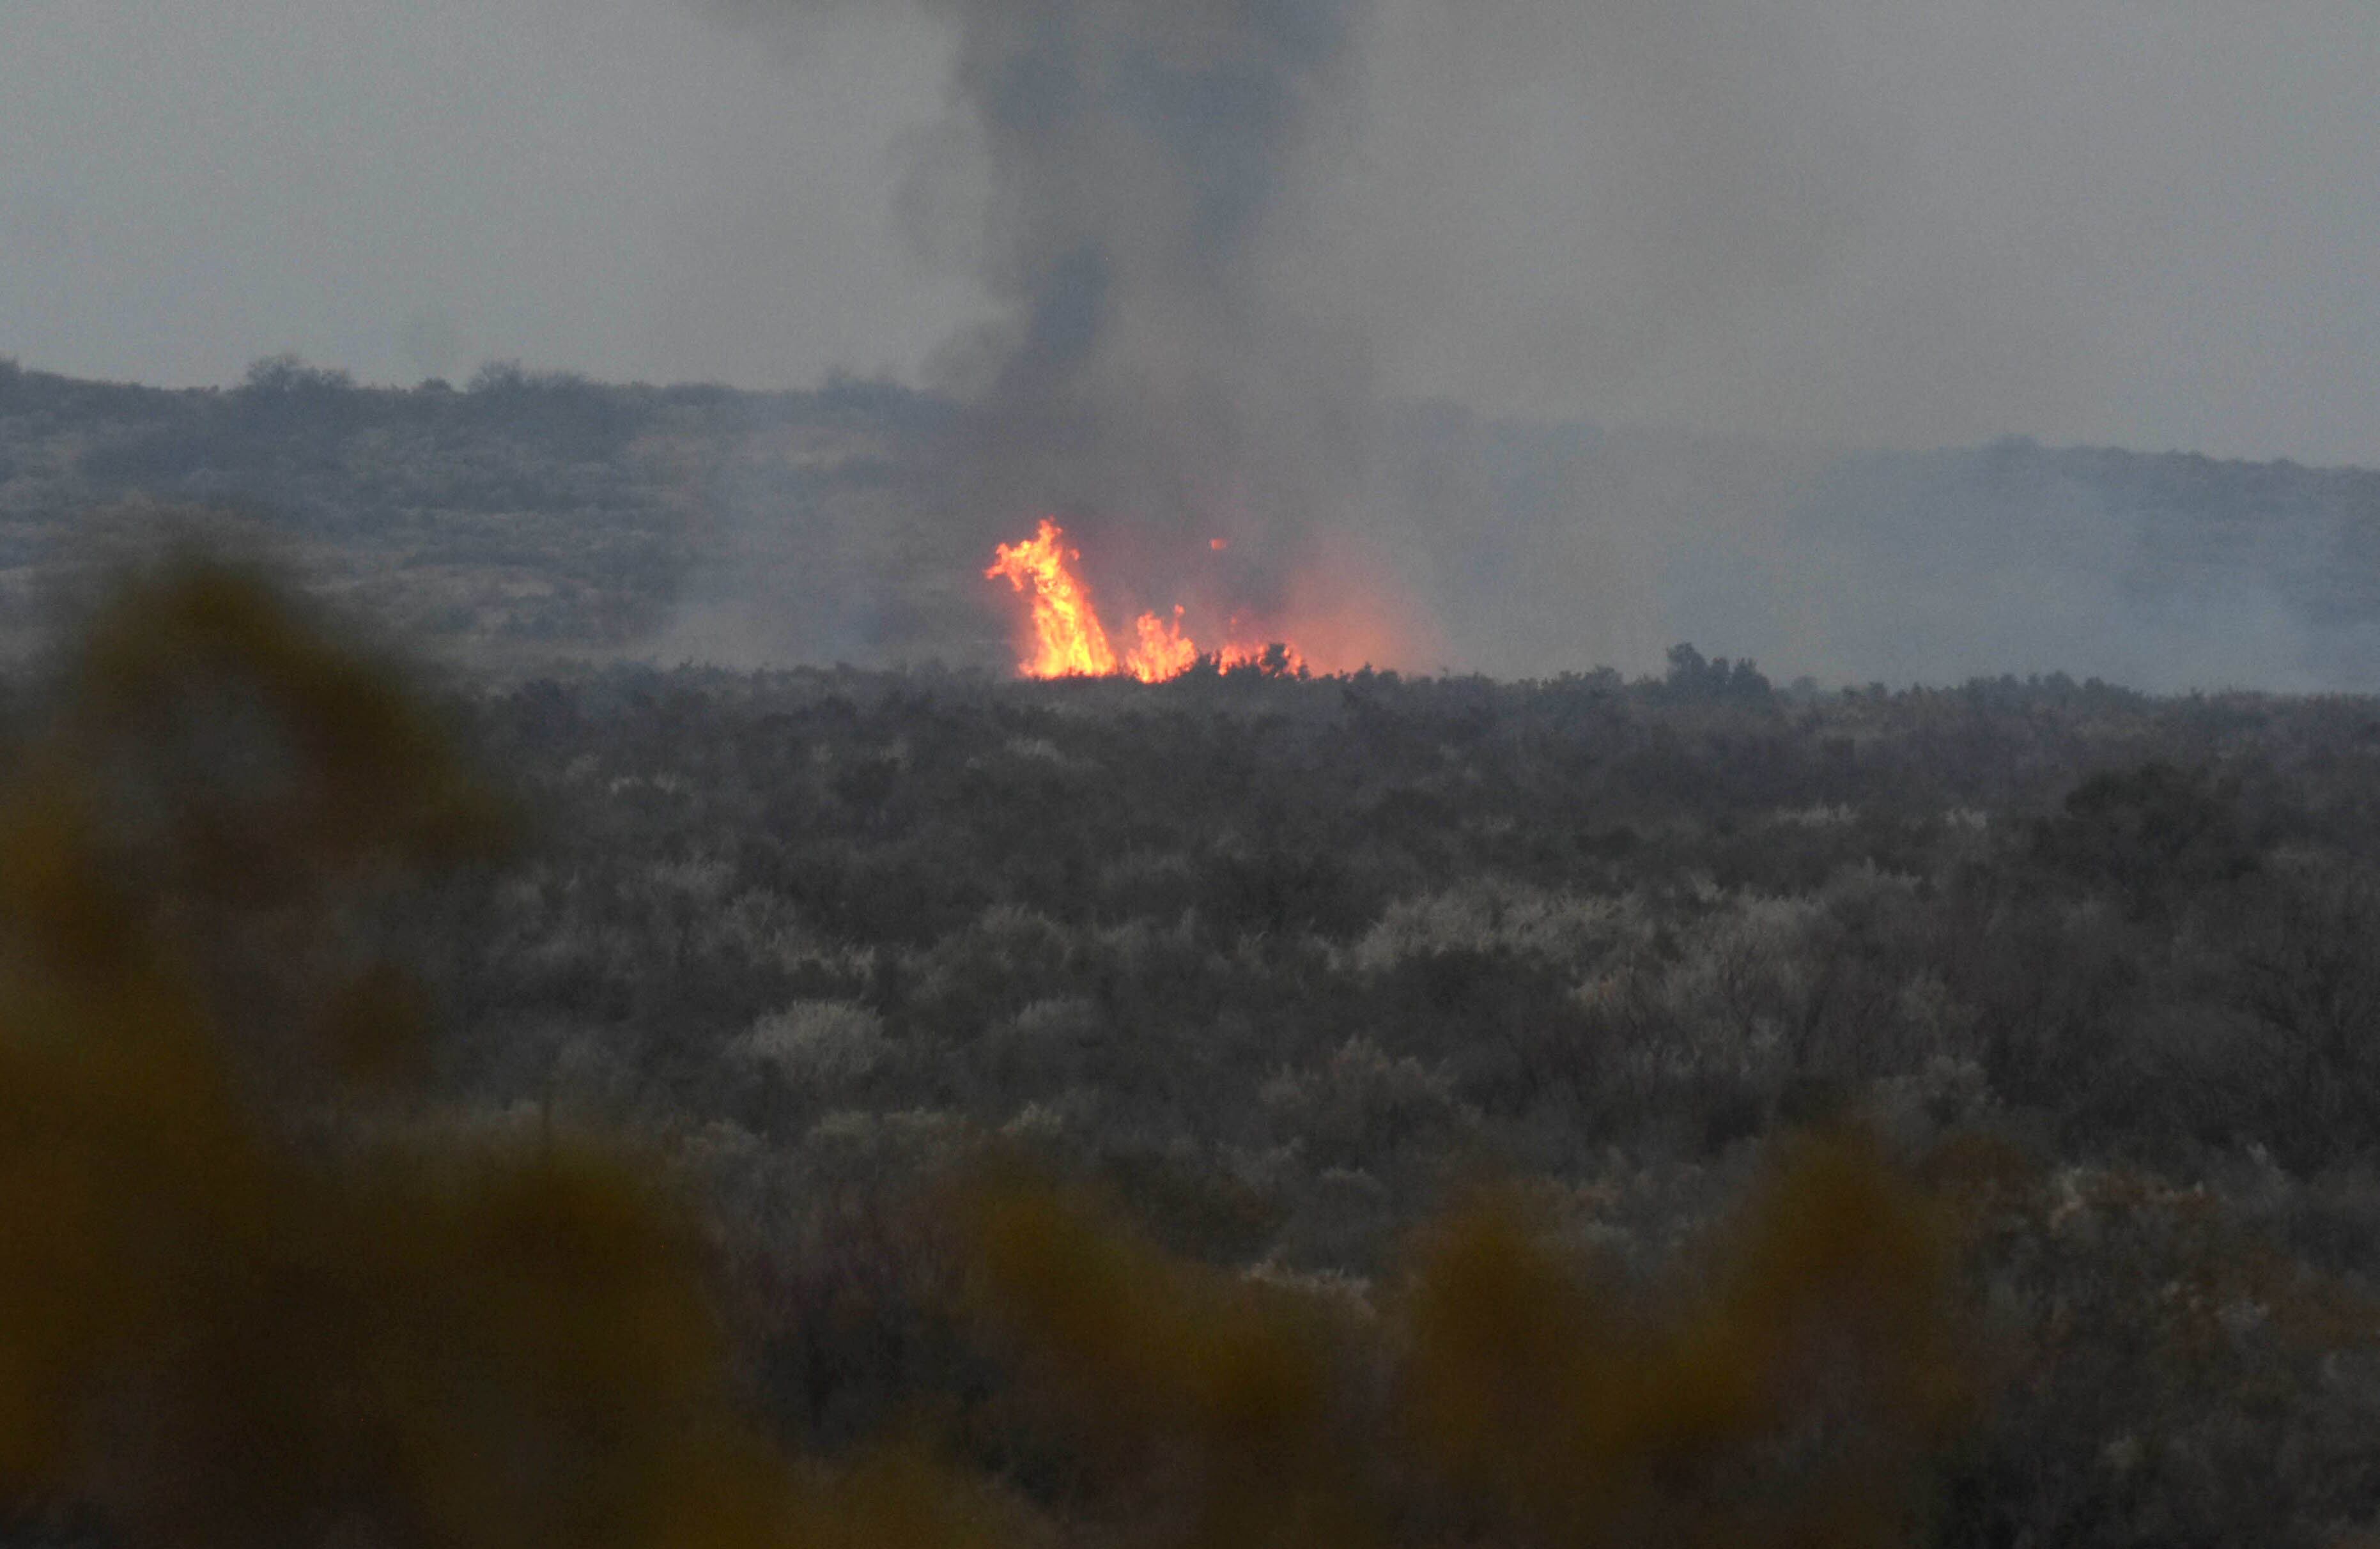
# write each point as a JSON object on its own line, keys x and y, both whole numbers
{"x": 1163, "y": 652}
{"x": 1069, "y": 641}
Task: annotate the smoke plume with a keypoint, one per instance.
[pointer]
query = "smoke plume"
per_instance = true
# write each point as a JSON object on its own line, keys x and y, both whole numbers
{"x": 1205, "y": 225}
{"x": 1143, "y": 379}
{"x": 1289, "y": 273}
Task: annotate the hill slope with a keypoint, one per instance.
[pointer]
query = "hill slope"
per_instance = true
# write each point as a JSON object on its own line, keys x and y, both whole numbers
{"x": 535, "y": 515}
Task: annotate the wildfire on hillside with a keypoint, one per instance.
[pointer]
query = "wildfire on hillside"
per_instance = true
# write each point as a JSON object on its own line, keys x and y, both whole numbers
{"x": 1068, "y": 640}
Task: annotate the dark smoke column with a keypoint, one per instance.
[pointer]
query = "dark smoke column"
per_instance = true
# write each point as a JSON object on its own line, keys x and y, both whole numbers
{"x": 1143, "y": 374}
{"x": 1147, "y": 382}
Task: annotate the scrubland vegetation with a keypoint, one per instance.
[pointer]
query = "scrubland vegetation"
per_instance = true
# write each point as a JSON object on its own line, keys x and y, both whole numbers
{"x": 581, "y": 1102}
{"x": 872, "y": 1109}
{"x": 1283, "y": 967}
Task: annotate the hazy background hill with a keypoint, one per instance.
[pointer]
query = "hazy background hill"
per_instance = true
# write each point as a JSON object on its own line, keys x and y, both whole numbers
{"x": 525, "y": 517}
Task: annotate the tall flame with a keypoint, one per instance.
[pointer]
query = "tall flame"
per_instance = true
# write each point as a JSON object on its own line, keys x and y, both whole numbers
{"x": 1069, "y": 640}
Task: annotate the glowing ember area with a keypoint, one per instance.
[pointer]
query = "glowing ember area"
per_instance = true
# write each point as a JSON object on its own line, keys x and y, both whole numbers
{"x": 1069, "y": 641}
{"x": 1163, "y": 652}
{"x": 1275, "y": 658}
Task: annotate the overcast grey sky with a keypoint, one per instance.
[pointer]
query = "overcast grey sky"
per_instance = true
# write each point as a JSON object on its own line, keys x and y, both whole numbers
{"x": 2151, "y": 223}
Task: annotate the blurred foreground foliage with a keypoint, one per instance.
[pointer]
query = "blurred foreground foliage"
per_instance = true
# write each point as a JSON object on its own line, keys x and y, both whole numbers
{"x": 260, "y": 1287}
{"x": 1787, "y": 1383}
{"x": 223, "y": 1320}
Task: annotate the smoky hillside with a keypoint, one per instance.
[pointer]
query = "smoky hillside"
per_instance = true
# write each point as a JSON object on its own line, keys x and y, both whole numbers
{"x": 528, "y": 517}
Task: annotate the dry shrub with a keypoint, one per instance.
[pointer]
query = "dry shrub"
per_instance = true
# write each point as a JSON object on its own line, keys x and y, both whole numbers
{"x": 247, "y": 1300}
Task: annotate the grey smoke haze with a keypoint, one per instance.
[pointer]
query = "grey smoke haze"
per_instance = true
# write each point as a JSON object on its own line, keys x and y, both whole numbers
{"x": 615, "y": 187}
{"x": 1188, "y": 250}
{"x": 2142, "y": 222}
{"x": 1143, "y": 373}
{"x": 1207, "y": 221}
{"x": 1147, "y": 379}
{"x": 2157, "y": 573}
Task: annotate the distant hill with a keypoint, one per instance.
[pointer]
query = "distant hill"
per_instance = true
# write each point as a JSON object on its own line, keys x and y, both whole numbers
{"x": 2163, "y": 569}
{"x": 526, "y": 516}
{"x": 525, "y": 513}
